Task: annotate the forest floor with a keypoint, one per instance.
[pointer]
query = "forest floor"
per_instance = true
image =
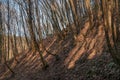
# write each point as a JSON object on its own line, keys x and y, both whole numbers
{"x": 86, "y": 59}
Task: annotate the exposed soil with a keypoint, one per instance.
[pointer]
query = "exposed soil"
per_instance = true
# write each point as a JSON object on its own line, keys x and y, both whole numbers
{"x": 85, "y": 59}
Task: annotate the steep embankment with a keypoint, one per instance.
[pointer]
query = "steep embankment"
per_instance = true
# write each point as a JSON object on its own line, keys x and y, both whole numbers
{"x": 85, "y": 60}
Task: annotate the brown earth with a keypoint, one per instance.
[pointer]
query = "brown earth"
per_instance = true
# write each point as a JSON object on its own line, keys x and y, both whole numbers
{"x": 87, "y": 59}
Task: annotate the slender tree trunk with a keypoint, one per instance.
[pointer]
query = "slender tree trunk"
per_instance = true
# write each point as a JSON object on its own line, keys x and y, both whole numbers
{"x": 107, "y": 8}
{"x": 34, "y": 42}
{"x": 1, "y": 36}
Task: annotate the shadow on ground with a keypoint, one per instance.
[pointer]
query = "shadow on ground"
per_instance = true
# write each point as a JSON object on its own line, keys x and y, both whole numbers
{"x": 85, "y": 60}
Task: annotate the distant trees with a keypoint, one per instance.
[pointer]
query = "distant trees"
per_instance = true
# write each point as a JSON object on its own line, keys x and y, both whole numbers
{"x": 35, "y": 45}
{"x": 27, "y": 22}
{"x": 2, "y": 55}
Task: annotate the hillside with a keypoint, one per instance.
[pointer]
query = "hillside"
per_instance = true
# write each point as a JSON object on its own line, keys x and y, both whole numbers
{"x": 59, "y": 40}
{"x": 87, "y": 59}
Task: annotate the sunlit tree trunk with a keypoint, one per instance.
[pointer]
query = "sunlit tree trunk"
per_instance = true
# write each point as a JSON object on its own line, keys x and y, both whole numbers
{"x": 75, "y": 16}
{"x": 89, "y": 12}
{"x": 107, "y": 7}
